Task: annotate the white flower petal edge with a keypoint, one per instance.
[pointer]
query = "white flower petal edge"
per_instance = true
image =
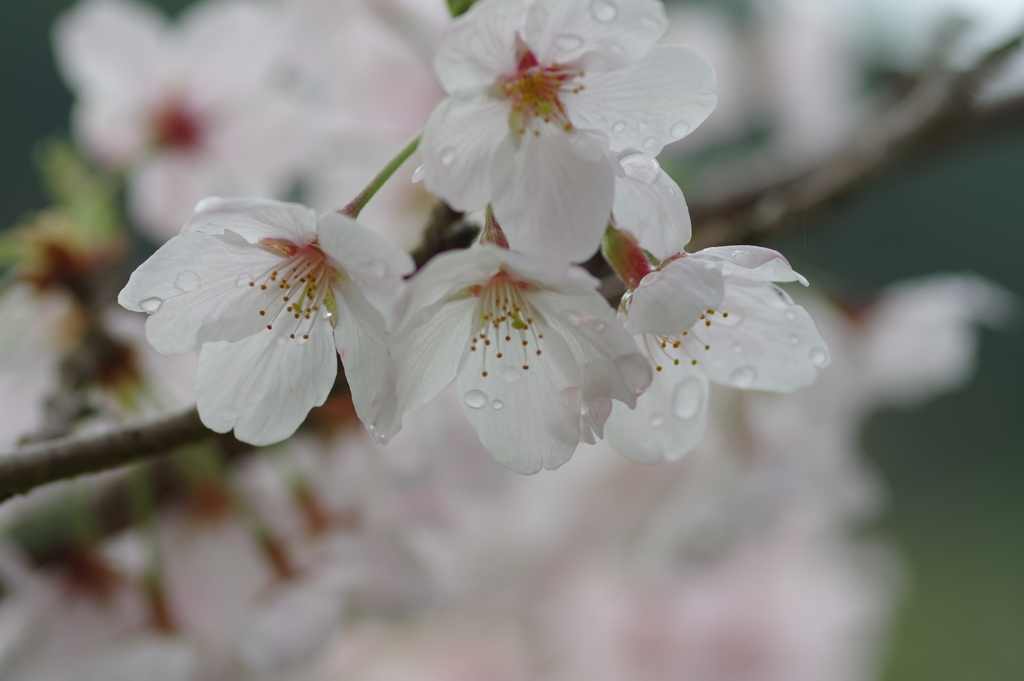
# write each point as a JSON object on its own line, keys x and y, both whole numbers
{"x": 265, "y": 282}
{"x": 649, "y": 204}
{"x": 537, "y": 352}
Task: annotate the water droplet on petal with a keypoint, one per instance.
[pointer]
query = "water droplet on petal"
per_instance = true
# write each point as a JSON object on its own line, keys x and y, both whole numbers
{"x": 448, "y": 156}
{"x": 794, "y": 339}
{"x": 650, "y": 143}
{"x": 620, "y": 126}
{"x": 568, "y": 42}
{"x": 641, "y": 167}
{"x": 509, "y": 373}
{"x": 819, "y": 357}
{"x": 497, "y": 404}
{"x": 657, "y": 420}
{"x": 743, "y": 377}
{"x": 642, "y": 125}
{"x": 687, "y": 398}
{"x": 573, "y": 317}
{"x": 603, "y": 10}
{"x": 187, "y": 281}
{"x": 419, "y": 174}
{"x": 151, "y": 305}
{"x": 679, "y": 130}
{"x": 737, "y": 348}
{"x": 790, "y": 315}
{"x": 652, "y": 278}
{"x": 635, "y": 371}
{"x": 474, "y": 399}
{"x": 244, "y": 280}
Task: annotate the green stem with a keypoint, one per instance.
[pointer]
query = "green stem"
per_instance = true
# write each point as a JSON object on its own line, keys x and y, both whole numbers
{"x": 357, "y": 204}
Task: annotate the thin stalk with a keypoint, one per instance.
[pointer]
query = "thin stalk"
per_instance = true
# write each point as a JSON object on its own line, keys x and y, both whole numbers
{"x": 357, "y": 204}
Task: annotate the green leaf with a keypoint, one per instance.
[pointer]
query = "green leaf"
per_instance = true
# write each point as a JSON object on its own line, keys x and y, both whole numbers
{"x": 457, "y": 7}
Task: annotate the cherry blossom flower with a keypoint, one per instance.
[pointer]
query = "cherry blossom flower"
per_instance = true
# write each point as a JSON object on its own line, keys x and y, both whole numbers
{"x": 268, "y": 290}
{"x": 543, "y": 96}
{"x": 712, "y": 315}
{"x": 185, "y": 109}
{"x": 538, "y": 354}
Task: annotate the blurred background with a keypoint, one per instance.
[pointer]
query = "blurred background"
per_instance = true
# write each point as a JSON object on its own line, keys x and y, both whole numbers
{"x": 797, "y": 80}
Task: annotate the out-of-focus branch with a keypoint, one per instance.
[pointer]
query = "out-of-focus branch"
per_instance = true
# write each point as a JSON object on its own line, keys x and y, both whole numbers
{"x": 941, "y": 105}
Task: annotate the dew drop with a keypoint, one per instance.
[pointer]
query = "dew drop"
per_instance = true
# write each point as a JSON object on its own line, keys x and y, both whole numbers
{"x": 568, "y": 42}
{"x": 650, "y": 143}
{"x": 790, "y": 315}
{"x": 819, "y": 357}
{"x": 419, "y": 174}
{"x": 679, "y": 130}
{"x": 151, "y": 305}
{"x": 652, "y": 278}
{"x": 187, "y": 281}
{"x": 573, "y": 317}
{"x": 620, "y": 126}
{"x": 641, "y": 167}
{"x": 743, "y": 377}
{"x": 642, "y": 125}
{"x": 474, "y": 399}
{"x": 687, "y": 398}
{"x": 603, "y": 10}
{"x": 794, "y": 339}
{"x": 497, "y": 404}
{"x": 737, "y": 348}
{"x": 509, "y": 373}
{"x": 244, "y": 280}
{"x": 657, "y": 420}
{"x": 448, "y": 156}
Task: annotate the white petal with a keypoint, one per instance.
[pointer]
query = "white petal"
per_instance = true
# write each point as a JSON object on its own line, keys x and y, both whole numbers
{"x": 751, "y": 262}
{"x": 527, "y": 419}
{"x": 670, "y": 300}
{"x": 767, "y": 343}
{"x": 195, "y": 288}
{"x": 480, "y": 45}
{"x": 669, "y": 418}
{"x": 368, "y": 367}
{"x": 263, "y": 386}
{"x": 163, "y": 189}
{"x": 648, "y": 104}
{"x": 255, "y": 219}
{"x": 553, "y": 194}
{"x": 458, "y": 145}
{"x": 602, "y": 33}
{"x": 652, "y": 209}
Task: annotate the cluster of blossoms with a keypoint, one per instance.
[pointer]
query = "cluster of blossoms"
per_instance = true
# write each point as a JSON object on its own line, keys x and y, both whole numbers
{"x": 554, "y": 114}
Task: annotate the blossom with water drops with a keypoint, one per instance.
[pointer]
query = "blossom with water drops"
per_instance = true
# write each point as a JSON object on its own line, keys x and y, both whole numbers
{"x": 712, "y": 315}
{"x": 269, "y": 290}
{"x": 538, "y": 354}
{"x": 543, "y": 98}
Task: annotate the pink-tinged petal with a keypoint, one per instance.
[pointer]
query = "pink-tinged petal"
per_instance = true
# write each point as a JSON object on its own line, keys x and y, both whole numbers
{"x": 255, "y": 219}
{"x": 669, "y": 418}
{"x": 751, "y": 262}
{"x": 649, "y": 103}
{"x": 598, "y": 34}
{"x": 111, "y": 49}
{"x": 527, "y": 419}
{"x": 480, "y": 45}
{"x": 766, "y": 343}
{"x": 458, "y": 145}
{"x": 650, "y": 205}
{"x": 427, "y": 347}
{"x": 196, "y": 290}
{"x": 263, "y": 386}
{"x": 448, "y": 273}
{"x": 670, "y": 300}
{"x": 553, "y": 193}
{"x": 369, "y": 370}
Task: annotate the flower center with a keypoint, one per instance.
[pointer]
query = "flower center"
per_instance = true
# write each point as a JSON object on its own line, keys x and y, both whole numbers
{"x": 535, "y": 93}
{"x": 686, "y": 347}
{"x": 297, "y": 290}
{"x": 175, "y": 127}
{"x": 505, "y": 322}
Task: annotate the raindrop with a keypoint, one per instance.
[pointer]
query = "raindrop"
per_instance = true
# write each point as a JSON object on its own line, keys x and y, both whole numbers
{"x": 151, "y": 305}
{"x": 573, "y": 317}
{"x": 657, "y": 420}
{"x": 187, "y": 281}
{"x": 244, "y": 280}
{"x": 737, "y": 348}
{"x": 641, "y": 167}
{"x": 743, "y": 377}
{"x": 603, "y": 10}
{"x": 568, "y": 42}
{"x": 679, "y": 130}
{"x": 687, "y": 398}
{"x": 474, "y": 399}
{"x": 509, "y": 373}
{"x": 497, "y": 404}
{"x": 642, "y": 125}
{"x": 652, "y": 278}
{"x": 635, "y": 370}
{"x": 620, "y": 126}
{"x": 650, "y": 143}
{"x": 419, "y": 174}
{"x": 794, "y": 339}
{"x": 790, "y": 315}
{"x": 448, "y": 156}
{"x": 819, "y": 357}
